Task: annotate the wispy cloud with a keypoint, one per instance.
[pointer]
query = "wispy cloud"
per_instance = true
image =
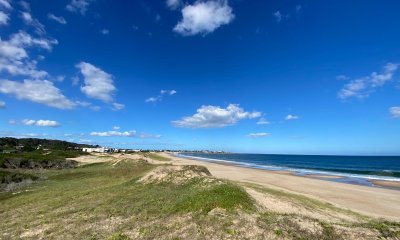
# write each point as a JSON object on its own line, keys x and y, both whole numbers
{"x": 29, "y": 20}
{"x": 362, "y": 87}
{"x": 5, "y": 7}
{"x": 14, "y": 56}
{"x": 174, "y": 4}
{"x": 40, "y": 123}
{"x": 59, "y": 19}
{"x": 116, "y": 133}
{"x": 395, "y": 112}
{"x": 79, "y": 6}
{"x": 278, "y": 16}
{"x": 159, "y": 98}
{"x": 263, "y": 121}
{"x": 2, "y": 104}
{"x": 105, "y": 31}
{"x": 291, "y": 117}
{"x": 4, "y": 18}
{"x": 258, "y": 135}
{"x": 5, "y": 4}
{"x": 216, "y": 117}
{"x": 204, "y": 17}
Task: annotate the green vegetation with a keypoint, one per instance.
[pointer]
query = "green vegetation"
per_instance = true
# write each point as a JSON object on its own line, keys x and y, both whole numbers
{"x": 39, "y": 159}
{"x": 226, "y": 196}
{"x": 106, "y": 201}
{"x": 155, "y": 156}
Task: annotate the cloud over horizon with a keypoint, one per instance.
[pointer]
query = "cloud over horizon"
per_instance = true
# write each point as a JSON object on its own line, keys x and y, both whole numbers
{"x": 215, "y": 117}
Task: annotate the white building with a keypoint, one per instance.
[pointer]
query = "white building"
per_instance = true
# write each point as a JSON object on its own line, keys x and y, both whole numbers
{"x": 98, "y": 150}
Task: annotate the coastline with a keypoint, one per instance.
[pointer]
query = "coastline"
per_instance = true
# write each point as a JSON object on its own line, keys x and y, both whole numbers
{"x": 371, "y": 201}
{"x": 363, "y": 180}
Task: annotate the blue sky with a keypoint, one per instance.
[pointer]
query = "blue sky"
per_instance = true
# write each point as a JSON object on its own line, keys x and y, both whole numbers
{"x": 303, "y": 77}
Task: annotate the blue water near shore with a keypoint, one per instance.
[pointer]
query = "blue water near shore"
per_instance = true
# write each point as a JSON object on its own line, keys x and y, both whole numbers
{"x": 353, "y": 169}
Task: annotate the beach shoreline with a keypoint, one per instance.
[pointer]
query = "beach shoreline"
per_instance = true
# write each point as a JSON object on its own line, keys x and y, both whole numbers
{"x": 370, "y": 181}
{"x": 372, "y": 201}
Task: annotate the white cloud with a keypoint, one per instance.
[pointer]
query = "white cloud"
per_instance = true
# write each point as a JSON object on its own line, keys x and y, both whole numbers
{"x": 12, "y": 122}
{"x": 114, "y": 134}
{"x": 363, "y": 86}
{"x": 78, "y": 6}
{"x": 395, "y": 112}
{"x": 263, "y": 121}
{"x": 215, "y": 117}
{"x": 169, "y": 92}
{"x": 118, "y": 106}
{"x": 153, "y": 99}
{"x": 4, "y": 18}
{"x": 33, "y": 22}
{"x": 2, "y": 105}
{"x": 59, "y": 19}
{"x": 28, "y": 122}
{"x": 291, "y": 117}
{"x": 14, "y": 58}
{"x": 204, "y": 17}
{"x": 258, "y": 135}
{"x": 5, "y": 4}
{"x": 39, "y": 91}
{"x": 174, "y": 4}
{"x": 105, "y": 31}
{"x": 40, "y": 123}
{"x": 159, "y": 98}
{"x": 47, "y": 123}
{"x": 116, "y": 127}
{"x": 98, "y": 84}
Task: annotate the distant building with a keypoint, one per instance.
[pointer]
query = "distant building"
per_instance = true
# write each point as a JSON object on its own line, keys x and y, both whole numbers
{"x": 97, "y": 150}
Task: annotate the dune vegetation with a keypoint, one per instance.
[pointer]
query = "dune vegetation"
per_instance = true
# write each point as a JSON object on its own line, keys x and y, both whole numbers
{"x": 131, "y": 198}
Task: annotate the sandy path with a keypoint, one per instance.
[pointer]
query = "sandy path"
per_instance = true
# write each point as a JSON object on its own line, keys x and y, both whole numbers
{"x": 370, "y": 201}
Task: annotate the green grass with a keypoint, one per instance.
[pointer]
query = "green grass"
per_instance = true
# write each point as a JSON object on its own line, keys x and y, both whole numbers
{"x": 156, "y": 156}
{"x": 105, "y": 201}
{"x": 89, "y": 196}
{"x": 227, "y": 196}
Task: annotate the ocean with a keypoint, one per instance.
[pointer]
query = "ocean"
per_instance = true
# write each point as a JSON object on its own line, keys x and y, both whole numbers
{"x": 353, "y": 169}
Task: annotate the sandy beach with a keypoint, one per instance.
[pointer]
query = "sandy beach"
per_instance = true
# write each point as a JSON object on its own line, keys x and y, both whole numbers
{"x": 371, "y": 201}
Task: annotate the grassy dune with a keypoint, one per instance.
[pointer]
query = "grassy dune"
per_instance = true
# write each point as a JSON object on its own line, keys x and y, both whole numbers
{"x": 110, "y": 201}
